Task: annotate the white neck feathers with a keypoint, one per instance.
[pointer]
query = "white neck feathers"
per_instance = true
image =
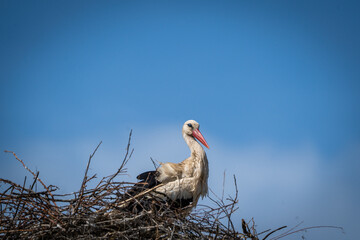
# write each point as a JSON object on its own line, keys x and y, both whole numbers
{"x": 198, "y": 156}
{"x": 195, "y": 147}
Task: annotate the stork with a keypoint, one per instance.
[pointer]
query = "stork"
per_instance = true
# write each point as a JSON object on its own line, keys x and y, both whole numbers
{"x": 183, "y": 182}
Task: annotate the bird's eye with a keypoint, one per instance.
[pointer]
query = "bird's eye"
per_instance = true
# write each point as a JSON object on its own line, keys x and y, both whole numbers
{"x": 189, "y": 124}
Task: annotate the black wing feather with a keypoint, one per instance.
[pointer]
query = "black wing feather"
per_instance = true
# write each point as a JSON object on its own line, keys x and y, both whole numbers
{"x": 147, "y": 180}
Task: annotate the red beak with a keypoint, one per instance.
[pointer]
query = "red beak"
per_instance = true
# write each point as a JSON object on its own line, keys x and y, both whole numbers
{"x": 197, "y": 134}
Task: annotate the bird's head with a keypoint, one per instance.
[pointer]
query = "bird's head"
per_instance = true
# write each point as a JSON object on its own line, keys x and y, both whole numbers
{"x": 191, "y": 128}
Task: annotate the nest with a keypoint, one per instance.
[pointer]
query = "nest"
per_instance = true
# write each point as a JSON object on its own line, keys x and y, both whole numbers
{"x": 99, "y": 212}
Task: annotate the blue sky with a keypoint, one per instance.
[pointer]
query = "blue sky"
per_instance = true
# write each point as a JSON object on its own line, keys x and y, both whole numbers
{"x": 274, "y": 84}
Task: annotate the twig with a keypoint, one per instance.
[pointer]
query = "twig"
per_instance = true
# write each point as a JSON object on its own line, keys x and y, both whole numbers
{"x": 278, "y": 229}
{"x": 81, "y": 192}
{"x": 35, "y": 176}
{"x": 125, "y": 160}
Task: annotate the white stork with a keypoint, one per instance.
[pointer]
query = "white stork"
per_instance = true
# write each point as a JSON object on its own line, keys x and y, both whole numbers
{"x": 182, "y": 182}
